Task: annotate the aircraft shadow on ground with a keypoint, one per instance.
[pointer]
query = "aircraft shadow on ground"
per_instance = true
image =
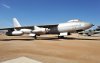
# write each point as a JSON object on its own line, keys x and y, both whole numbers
{"x": 68, "y": 38}
{"x": 16, "y": 39}
{"x": 47, "y": 38}
{"x": 95, "y": 36}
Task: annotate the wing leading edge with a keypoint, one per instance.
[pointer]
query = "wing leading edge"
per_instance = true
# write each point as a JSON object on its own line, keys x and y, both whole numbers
{"x": 30, "y": 27}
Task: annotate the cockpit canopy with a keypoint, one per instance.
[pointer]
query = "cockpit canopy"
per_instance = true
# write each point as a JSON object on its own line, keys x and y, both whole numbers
{"x": 74, "y": 20}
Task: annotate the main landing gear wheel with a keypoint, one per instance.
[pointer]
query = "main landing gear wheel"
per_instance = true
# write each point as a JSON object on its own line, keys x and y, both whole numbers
{"x": 35, "y": 37}
{"x": 61, "y": 37}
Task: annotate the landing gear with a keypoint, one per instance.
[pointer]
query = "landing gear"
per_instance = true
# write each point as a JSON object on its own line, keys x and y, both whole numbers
{"x": 35, "y": 37}
{"x": 60, "y": 37}
{"x": 88, "y": 35}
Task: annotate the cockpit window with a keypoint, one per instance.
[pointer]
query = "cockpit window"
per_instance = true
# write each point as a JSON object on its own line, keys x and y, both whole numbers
{"x": 74, "y": 20}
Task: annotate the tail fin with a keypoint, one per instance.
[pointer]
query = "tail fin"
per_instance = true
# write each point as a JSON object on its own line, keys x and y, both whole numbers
{"x": 36, "y": 27}
{"x": 16, "y": 23}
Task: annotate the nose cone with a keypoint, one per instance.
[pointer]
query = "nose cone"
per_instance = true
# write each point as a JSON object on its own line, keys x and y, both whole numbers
{"x": 88, "y": 25}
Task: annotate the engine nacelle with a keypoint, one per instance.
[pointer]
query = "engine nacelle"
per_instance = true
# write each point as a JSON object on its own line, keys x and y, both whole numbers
{"x": 26, "y": 31}
{"x": 40, "y": 31}
{"x": 14, "y": 33}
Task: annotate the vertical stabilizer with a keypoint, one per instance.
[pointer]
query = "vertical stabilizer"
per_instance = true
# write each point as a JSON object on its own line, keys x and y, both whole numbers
{"x": 16, "y": 23}
{"x": 36, "y": 27}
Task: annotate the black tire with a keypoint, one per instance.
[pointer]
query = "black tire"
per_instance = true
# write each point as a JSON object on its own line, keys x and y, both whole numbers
{"x": 35, "y": 37}
{"x": 89, "y": 35}
{"x": 61, "y": 37}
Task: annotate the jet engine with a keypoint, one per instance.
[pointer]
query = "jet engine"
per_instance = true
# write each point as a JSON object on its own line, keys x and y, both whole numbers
{"x": 39, "y": 31}
{"x": 14, "y": 33}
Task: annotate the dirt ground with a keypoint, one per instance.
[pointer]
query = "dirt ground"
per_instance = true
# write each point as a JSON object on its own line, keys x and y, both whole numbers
{"x": 49, "y": 49}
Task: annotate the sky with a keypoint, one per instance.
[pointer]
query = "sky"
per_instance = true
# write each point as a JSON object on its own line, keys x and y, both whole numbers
{"x": 38, "y": 12}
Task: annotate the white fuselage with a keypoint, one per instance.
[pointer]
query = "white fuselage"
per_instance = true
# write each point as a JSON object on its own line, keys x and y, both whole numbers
{"x": 73, "y": 26}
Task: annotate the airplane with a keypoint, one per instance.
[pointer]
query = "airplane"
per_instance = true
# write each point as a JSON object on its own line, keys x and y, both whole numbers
{"x": 90, "y": 32}
{"x": 61, "y": 29}
{"x": 98, "y": 28}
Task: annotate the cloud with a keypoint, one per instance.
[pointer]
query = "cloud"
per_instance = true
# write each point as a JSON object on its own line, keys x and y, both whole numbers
{"x": 6, "y": 6}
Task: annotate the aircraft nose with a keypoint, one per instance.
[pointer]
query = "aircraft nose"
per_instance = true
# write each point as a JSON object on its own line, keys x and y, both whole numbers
{"x": 88, "y": 25}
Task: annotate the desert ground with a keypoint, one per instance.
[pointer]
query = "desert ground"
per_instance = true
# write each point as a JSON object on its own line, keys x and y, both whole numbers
{"x": 49, "y": 49}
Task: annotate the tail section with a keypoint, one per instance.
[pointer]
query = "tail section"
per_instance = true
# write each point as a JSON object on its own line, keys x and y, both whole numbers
{"x": 16, "y": 23}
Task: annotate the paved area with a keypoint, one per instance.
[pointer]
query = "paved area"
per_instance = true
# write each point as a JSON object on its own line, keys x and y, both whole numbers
{"x": 49, "y": 49}
{"x": 21, "y": 60}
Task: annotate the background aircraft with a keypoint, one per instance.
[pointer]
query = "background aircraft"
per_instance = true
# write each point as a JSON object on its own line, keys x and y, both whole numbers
{"x": 61, "y": 29}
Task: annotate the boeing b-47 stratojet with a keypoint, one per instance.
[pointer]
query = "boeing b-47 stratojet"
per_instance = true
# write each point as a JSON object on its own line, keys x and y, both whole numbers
{"x": 61, "y": 29}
